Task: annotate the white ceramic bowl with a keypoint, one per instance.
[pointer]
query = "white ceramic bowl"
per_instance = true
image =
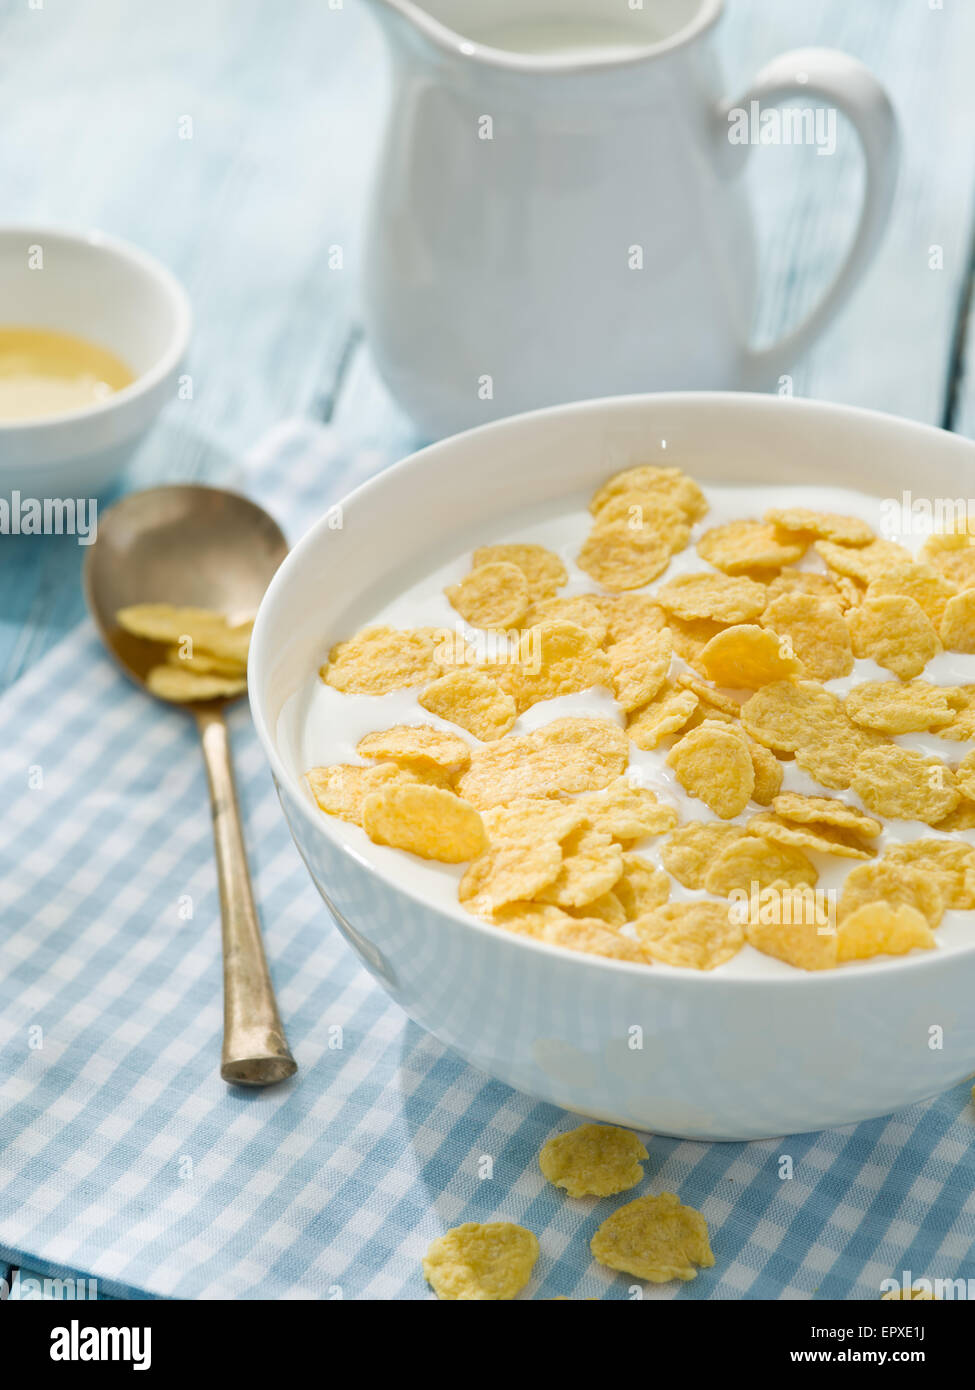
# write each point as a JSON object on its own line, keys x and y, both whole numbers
{"x": 105, "y": 290}
{"x": 721, "y": 1058}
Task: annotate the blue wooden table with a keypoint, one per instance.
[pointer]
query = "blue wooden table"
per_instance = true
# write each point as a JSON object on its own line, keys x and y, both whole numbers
{"x": 286, "y": 103}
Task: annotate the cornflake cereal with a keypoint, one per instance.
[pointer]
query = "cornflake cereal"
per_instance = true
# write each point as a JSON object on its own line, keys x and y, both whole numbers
{"x": 482, "y": 1261}
{"x": 815, "y": 628}
{"x": 748, "y": 657}
{"x": 593, "y": 1160}
{"x": 699, "y": 935}
{"x": 713, "y": 764}
{"x": 639, "y": 665}
{"x": 654, "y": 1238}
{"x": 428, "y": 821}
{"x": 895, "y": 632}
{"x": 757, "y": 860}
{"x": 493, "y": 595}
{"x": 896, "y": 707}
{"x": 544, "y": 571}
{"x": 880, "y": 929}
{"x": 738, "y": 686}
{"x": 420, "y": 746}
{"x": 472, "y": 701}
{"x": 718, "y": 596}
{"x": 204, "y": 656}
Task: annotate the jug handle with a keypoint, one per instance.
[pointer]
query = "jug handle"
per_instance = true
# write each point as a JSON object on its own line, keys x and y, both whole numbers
{"x": 847, "y": 84}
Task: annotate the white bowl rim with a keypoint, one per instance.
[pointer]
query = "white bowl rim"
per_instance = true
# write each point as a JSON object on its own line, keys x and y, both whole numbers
{"x": 320, "y": 824}
{"x": 155, "y": 269}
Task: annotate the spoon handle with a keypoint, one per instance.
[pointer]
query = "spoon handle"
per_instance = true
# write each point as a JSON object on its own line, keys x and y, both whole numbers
{"x": 255, "y": 1050}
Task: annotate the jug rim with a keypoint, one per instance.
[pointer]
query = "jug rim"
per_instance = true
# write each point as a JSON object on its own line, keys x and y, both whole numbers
{"x": 454, "y": 45}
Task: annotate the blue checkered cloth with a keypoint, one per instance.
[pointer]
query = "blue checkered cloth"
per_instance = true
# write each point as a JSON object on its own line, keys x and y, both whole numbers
{"x": 124, "y": 1157}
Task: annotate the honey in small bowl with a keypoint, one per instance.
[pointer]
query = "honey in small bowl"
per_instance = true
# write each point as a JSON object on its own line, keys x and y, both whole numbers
{"x": 43, "y": 372}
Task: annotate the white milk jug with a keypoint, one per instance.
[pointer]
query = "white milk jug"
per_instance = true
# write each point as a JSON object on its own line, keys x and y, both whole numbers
{"x": 559, "y": 213}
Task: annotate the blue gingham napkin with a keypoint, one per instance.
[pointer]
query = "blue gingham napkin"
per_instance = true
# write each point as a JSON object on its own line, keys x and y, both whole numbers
{"x": 124, "y": 1157}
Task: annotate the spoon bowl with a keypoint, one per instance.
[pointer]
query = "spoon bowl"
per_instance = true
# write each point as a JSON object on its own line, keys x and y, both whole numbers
{"x": 202, "y": 547}
{"x": 193, "y": 546}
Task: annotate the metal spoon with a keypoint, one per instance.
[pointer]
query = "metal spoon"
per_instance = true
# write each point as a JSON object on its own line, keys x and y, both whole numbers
{"x": 205, "y": 548}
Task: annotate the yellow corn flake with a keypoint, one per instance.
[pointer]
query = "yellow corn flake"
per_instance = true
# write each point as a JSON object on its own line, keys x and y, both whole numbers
{"x": 743, "y": 546}
{"x": 825, "y": 810}
{"x": 753, "y": 859}
{"x": 555, "y": 658}
{"x": 950, "y": 862}
{"x": 896, "y": 884}
{"x": 481, "y": 1261}
{"x": 184, "y": 686}
{"x": 639, "y": 665}
{"x": 380, "y": 659}
{"x": 650, "y": 512}
{"x": 792, "y": 581}
{"x": 822, "y": 838}
{"x": 544, "y": 571}
{"x": 581, "y": 609}
{"x": 797, "y": 938}
{"x": 903, "y": 785}
{"x": 593, "y": 1161}
{"x": 417, "y": 745}
{"x": 786, "y": 715}
{"x": 665, "y": 715}
{"x": 958, "y": 623}
{"x": 591, "y": 937}
{"x": 748, "y": 656}
{"x": 830, "y": 758}
{"x": 510, "y": 871}
{"x": 625, "y": 614}
{"x": 962, "y": 701}
{"x": 895, "y": 632}
{"x": 697, "y": 935}
{"x": 879, "y": 929}
{"x": 641, "y": 887}
{"x": 953, "y": 553}
{"x": 690, "y": 851}
{"x": 961, "y": 818}
{"x": 607, "y": 909}
{"x": 591, "y": 864}
{"x": 768, "y": 773}
{"x": 708, "y": 695}
{"x": 619, "y": 557}
{"x": 713, "y": 764}
{"x": 722, "y": 597}
{"x": 965, "y": 776}
{"x": 340, "y": 790}
{"x": 530, "y": 818}
{"x": 654, "y": 1238}
{"x": 829, "y": 526}
{"x": 919, "y": 581}
{"x": 193, "y": 659}
{"x": 865, "y": 563}
{"x": 671, "y": 484}
{"x": 427, "y": 821}
{"x": 568, "y": 755}
{"x": 896, "y": 707}
{"x": 473, "y": 701}
{"x": 626, "y": 811}
{"x": 188, "y": 628}
{"x": 494, "y": 595}
{"x": 521, "y": 918}
{"x": 815, "y": 628}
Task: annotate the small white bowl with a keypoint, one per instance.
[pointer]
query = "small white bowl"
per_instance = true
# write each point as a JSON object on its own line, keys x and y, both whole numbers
{"x": 720, "y": 1057}
{"x": 118, "y": 297}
